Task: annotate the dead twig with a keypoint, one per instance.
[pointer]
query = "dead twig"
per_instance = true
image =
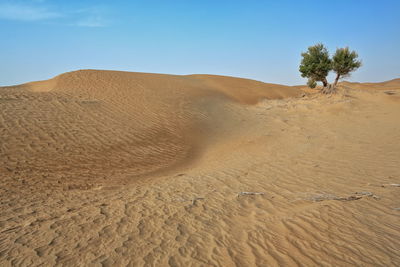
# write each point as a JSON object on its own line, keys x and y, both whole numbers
{"x": 250, "y": 193}
{"x": 368, "y": 194}
{"x": 349, "y": 198}
{"x": 395, "y": 185}
{"x": 355, "y": 196}
{"x": 194, "y": 200}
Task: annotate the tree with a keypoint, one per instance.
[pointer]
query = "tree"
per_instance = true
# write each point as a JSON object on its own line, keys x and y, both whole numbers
{"x": 344, "y": 61}
{"x": 316, "y": 64}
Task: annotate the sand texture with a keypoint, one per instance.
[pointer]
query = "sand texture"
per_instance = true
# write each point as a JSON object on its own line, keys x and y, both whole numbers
{"x": 106, "y": 168}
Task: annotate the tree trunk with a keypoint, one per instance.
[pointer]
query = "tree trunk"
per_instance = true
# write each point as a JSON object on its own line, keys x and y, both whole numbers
{"x": 336, "y": 79}
{"x": 330, "y": 89}
{"x": 324, "y": 82}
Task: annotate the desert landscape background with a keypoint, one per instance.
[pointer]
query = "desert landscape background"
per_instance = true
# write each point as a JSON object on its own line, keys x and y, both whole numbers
{"x": 119, "y": 168}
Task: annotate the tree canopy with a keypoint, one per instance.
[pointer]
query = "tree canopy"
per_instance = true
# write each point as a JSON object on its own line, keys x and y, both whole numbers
{"x": 316, "y": 64}
{"x": 344, "y": 61}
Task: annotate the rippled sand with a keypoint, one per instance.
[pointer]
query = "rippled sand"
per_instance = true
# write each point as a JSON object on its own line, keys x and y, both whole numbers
{"x": 117, "y": 168}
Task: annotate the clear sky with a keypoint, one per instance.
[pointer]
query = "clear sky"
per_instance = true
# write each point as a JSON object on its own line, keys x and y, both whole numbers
{"x": 261, "y": 40}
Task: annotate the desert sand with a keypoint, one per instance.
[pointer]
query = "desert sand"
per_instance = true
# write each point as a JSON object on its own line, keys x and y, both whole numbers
{"x": 117, "y": 168}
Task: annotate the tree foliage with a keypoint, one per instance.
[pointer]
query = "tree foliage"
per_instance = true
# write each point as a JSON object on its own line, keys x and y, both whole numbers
{"x": 344, "y": 61}
{"x": 316, "y": 64}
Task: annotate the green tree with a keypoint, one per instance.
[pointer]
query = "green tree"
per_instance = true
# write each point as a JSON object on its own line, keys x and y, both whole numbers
{"x": 316, "y": 64}
{"x": 344, "y": 61}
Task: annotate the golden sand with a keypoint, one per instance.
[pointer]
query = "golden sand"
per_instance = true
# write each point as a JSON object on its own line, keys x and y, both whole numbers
{"x": 117, "y": 168}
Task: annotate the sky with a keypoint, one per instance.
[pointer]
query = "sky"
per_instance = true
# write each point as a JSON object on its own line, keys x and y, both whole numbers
{"x": 261, "y": 40}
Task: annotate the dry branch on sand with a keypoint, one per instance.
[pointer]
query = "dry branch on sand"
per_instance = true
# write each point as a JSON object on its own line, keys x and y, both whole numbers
{"x": 355, "y": 196}
{"x": 194, "y": 200}
{"x": 250, "y": 193}
{"x": 395, "y": 185}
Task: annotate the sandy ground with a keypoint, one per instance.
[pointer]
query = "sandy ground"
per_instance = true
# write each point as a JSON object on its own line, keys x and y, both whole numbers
{"x": 117, "y": 168}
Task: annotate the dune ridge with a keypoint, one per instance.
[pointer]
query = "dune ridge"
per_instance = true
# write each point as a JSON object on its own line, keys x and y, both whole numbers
{"x": 116, "y": 168}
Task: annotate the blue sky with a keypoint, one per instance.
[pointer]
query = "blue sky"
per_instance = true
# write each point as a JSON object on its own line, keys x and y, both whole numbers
{"x": 261, "y": 40}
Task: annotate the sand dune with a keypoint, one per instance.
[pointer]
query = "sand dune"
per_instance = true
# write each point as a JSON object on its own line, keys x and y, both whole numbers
{"x": 388, "y": 85}
{"x": 117, "y": 168}
{"x": 120, "y": 122}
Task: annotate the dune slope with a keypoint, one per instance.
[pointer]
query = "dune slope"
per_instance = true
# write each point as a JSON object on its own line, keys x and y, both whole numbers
{"x": 116, "y": 168}
{"x": 89, "y": 122}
